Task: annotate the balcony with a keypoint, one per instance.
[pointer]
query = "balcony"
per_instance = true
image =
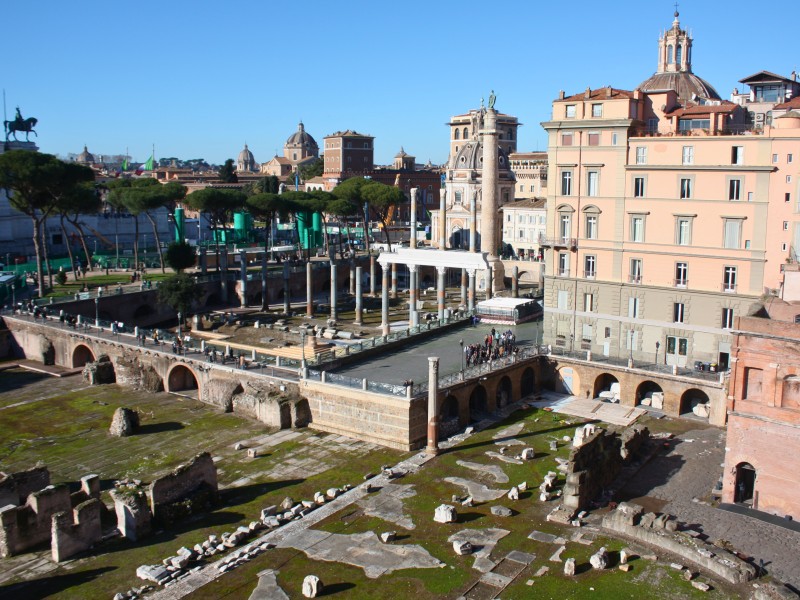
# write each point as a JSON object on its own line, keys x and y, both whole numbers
{"x": 728, "y": 288}
{"x": 681, "y": 283}
{"x": 558, "y": 242}
{"x": 634, "y": 279}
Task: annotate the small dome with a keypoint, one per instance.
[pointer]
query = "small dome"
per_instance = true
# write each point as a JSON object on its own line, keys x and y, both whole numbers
{"x": 301, "y": 138}
{"x": 470, "y": 156}
{"x": 245, "y": 156}
{"x": 688, "y": 85}
{"x": 401, "y": 154}
{"x": 85, "y": 157}
{"x": 790, "y": 120}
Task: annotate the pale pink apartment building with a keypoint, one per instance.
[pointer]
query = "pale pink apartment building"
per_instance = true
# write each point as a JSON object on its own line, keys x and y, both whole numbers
{"x": 669, "y": 214}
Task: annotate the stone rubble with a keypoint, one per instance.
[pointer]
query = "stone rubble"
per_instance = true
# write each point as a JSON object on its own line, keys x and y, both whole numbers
{"x": 312, "y": 586}
{"x": 445, "y": 514}
{"x": 599, "y": 560}
{"x": 569, "y": 567}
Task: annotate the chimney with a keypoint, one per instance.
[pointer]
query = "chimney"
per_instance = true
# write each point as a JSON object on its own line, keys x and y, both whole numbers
{"x": 608, "y": 92}
{"x": 588, "y": 93}
{"x": 561, "y": 94}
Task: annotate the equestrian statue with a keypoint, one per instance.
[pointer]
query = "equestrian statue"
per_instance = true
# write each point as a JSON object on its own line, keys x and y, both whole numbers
{"x": 20, "y": 124}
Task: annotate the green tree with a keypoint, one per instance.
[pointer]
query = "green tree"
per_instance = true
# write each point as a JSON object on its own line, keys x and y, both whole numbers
{"x": 181, "y": 256}
{"x": 33, "y": 181}
{"x": 83, "y": 199}
{"x": 125, "y": 194}
{"x": 265, "y": 185}
{"x": 227, "y": 172}
{"x": 179, "y": 292}
{"x": 311, "y": 170}
{"x": 218, "y": 204}
{"x": 153, "y": 198}
{"x": 382, "y": 200}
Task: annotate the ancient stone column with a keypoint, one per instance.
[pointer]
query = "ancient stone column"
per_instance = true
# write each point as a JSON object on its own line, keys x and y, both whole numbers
{"x": 358, "y": 296}
{"x": 443, "y": 219}
{"x": 286, "y": 294}
{"x": 309, "y": 289}
{"x": 515, "y": 282}
{"x": 385, "y": 300}
{"x": 333, "y": 291}
{"x": 488, "y": 289}
{"x": 471, "y": 292}
{"x": 413, "y": 319}
{"x": 264, "y": 292}
{"x": 394, "y": 280}
{"x": 463, "y": 287}
{"x": 243, "y": 277}
{"x": 433, "y": 416}
{"x": 372, "y": 276}
{"x": 490, "y": 226}
{"x": 440, "y": 272}
{"x": 412, "y": 243}
{"x": 352, "y": 277}
{"x": 223, "y": 282}
{"x": 473, "y": 220}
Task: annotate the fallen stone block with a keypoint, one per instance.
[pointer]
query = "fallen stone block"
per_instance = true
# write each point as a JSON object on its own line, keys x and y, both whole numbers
{"x": 388, "y": 536}
{"x": 155, "y": 573}
{"x": 501, "y": 511}
{"x": 569, "y": 567}
{"x": 599, "y": 560}
{"x": 513, "y": 493}
{"x": 445, "y": 514}
{"x": 624, "y": 567}
{"x": 312, "y": 586}
{"x": 699, "y": 585}
{"x": 462, "y": 547}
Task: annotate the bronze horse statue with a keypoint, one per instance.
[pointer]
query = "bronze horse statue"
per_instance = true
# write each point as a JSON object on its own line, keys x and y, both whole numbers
{"x": 19, "y": 124}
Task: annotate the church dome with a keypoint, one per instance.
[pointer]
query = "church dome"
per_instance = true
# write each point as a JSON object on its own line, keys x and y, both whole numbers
{"x": 246, "y": 157}
{"x": 470, "y": 156}
{"x": 301, "y": 139}
{"x": 687, "y": 85}
{"x": 85, "y": 157}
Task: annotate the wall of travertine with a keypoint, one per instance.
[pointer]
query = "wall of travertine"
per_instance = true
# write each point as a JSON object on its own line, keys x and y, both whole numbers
{"x": 27, "y": 526}
{"x": 175, "y": 486}
{"x": 76, "y": 531}
{"x": 16, "y": 487}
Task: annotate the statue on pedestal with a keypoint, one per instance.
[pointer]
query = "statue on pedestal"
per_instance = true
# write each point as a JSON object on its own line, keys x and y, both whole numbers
{"x": 20, "y": 124}
{"x": 492, "y": 98}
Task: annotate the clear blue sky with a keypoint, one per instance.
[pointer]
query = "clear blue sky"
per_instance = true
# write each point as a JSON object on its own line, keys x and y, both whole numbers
{"x": 198, "y": 79}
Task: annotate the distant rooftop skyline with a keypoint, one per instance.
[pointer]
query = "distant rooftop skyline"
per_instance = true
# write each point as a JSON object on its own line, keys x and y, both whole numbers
{"x": 198, "y": 81}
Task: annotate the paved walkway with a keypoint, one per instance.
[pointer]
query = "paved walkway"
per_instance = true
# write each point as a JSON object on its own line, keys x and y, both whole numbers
{"x": 607, "y": 412}
{"x": 680, "y": 482}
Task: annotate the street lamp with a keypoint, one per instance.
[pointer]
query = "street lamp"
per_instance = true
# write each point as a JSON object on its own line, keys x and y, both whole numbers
{"x": 13, "y": 296}
{"x": 630, "y": 345}
{"x": 97, "y": 311}
{"x": 179, "y": 325}
{"x": 461, "y": 343}
{"x": 303, "y": 347}
{"x": 658, "y": 345}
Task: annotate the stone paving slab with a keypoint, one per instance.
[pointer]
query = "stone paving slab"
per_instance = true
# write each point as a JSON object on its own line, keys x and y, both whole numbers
{"x": 521, "y": 557}
{"x": 547, "y": 538}
{"x": 493, "y": 470}
{"x": 496, "y": 580}
{"x": 387, "y": 504}
{"x": 483, "y": 542}
{"x": 507, "y": 436}
{"x": 504, "y": 458}
{"x": 268, "y": 588}
{"x": 478, "y": 491}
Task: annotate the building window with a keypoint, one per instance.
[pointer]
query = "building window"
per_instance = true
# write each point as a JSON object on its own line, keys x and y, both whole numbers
{"x": 638, "y": 187}
{"x": 597, "y": 110}
{"x": 686, "y": 188}
{"x": 677, "y": 343}
{"x": 457, "y": 135}
{"x": 566, "y": 183}
{"x": 787, "y": 197}
{"x": 458, "y": 197}
{"x": 641, "y": 155}
{"x": 783, "y": 247}
{"x": 613, "y": 139}
{"x": 732, "y": 233}
{"x": 589, "y": 264}
{"x": 636, "y": 270}
{"x": 593, "y": 178}
{"x": 563, "y": 299}
{"x": 570, "y": 111}
{"x": 521, "y": 235}
{"x": 466, "y": 133}
{"x": 594, "y": 139}
{"x": 687, "y": 155}
{"x": 633, "y": 307}
{"x": 734, "y": 189}
{"x": 566, "y": 139}
{"x": 591, "y": 227}
{"x": 729, "y": 279}
{"x": 788, "y": 179}
{"x": 532, "y": 189}
{"x": 565, "y": 227}
{"x": 563, "y": 264}
{"x": 737, "y": 155}
{"x": 683, "y": 231}
{"x": 588, "y": 302}
{"x": 681, "y": 274}
{"x": 678, "y": 310}
{"x": 727, "y": 318}
{"x": 637, "y": 229}
{"x": 774, "y": 158}
{"x": 366, "y": 144}
{"x": 789, "y": 158}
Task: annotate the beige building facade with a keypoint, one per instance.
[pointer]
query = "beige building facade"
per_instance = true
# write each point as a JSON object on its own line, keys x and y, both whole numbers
{"x": 667, "y": 218}
{"x": 524, "y": 224}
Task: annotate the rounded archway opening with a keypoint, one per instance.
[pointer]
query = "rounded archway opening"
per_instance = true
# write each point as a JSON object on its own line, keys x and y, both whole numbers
{"x": 695, "y": 403}
{"x": 568, "y": 381}
{"x": 606, "y": 387}
{"x": 503, "y": 395}
{"x": 649, "y": 394}
{"x": 145, "y": 310}
{"x": 181, "y": 379}
{"x": 448, "y": 417}
{"x": 478, "y": 407}
{"x": 81, "y": 355}
{"x": 527, "y": 382}
{"x": 744, "y": 492}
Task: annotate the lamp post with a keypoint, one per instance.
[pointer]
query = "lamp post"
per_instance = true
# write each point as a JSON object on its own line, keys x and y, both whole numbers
{"x": 96, "y": 311}
{"x": 303, "y": 348}
{"x": 179, "y": 325}
{"x": 461, "y": 344}
{"x": 658, "y": 345}
{"x": 630, "y": 346}
{"x": 13, "y": 296}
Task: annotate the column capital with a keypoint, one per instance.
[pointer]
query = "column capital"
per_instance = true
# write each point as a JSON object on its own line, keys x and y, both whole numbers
{"x": 412, "y": 268}
{"x": 441, "y": 270}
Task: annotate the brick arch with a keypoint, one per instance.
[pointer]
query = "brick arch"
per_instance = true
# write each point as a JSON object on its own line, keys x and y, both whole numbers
{"x": 180, "y": 378}
{"x": 504, "y": 394}
{"x": 478, "y": 403}
{"x": 645, "y": 390}
{"x": 602, "y": 383}
{"x": 568, "y": 380}
{"x": 692, "y": 397}
{"x": 527, "y": 382}
{"x": 81, "y": 355}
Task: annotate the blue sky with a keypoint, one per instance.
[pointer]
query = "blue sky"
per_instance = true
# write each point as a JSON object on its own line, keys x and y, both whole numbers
{"x": 199, "y": 79}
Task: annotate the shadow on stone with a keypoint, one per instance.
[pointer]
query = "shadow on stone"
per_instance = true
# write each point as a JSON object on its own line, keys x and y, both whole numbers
{"x": 336, "y": 588}
{"x": 159, "y": 427}
{"x": 248, "y": 493}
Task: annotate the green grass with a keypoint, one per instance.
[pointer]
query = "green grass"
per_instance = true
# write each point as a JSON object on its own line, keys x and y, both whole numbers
{"x": 92, "y": 282}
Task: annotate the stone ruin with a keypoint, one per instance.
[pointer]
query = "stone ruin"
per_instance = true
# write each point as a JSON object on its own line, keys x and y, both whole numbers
{"x": 124, "y": 423}
{"x": 187, "y": 489}
{"x": 35, "y": 511}
{"x": 275, "y": 405}
{"x": 131, "y": 372}
{"x": 594, "y": 464}
{"x": 660, "y": 531}
{"x": 100, "y": 372}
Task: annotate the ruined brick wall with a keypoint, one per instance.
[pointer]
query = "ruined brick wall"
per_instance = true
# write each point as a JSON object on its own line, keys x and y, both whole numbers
{"x": 182, "y": 482}
{"x": 76, "y": 531}
{"x": 130, "y": 371}
{"x": 23, "y": 527}
{"x": 134, "y": 519}
{"x": 219, "y": 392}
{"x": 16, "y": 487}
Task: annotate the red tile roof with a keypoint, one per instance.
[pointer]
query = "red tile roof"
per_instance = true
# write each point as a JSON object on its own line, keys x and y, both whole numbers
{"x": 598, "y": 94}
{"x": 789, "y": 105}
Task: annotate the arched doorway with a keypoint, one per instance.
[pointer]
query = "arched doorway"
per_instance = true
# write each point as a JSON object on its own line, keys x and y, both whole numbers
{"x": 503, "y": 395}
{"x": 649, "y": 393}
{"x": 606, "y": 386}
{"x": 448, "y": 417}
{"x": 695, "y": 402}
{"x": 478, "y": 408}
{"x": 744, "y": 492}
{"x": 82, "y": 355}
{"x": 527, "y": 382}
{"x": 181, "y": 379}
